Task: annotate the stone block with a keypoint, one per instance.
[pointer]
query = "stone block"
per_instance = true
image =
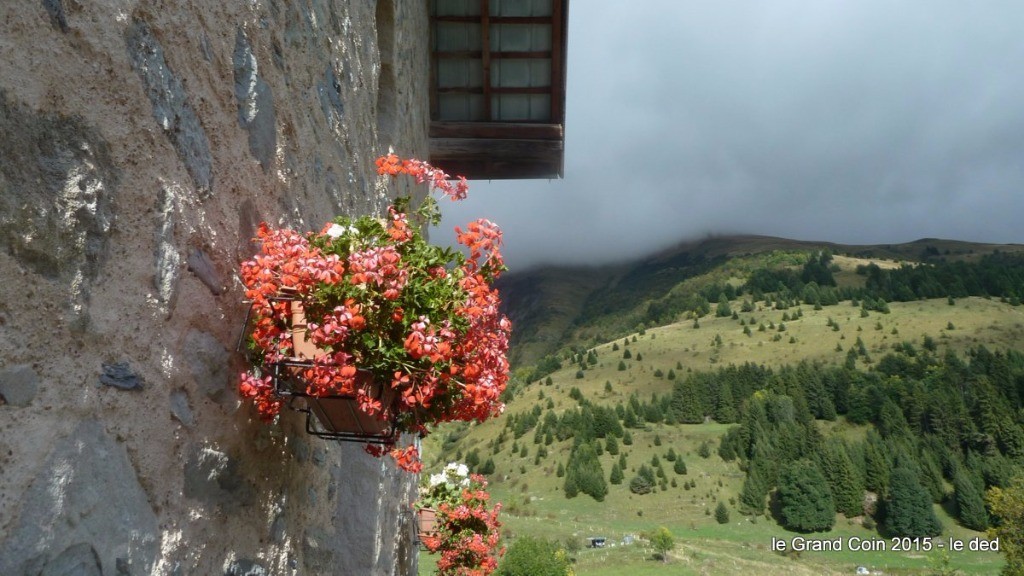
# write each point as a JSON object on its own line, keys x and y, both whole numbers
{"x": 19, "y": 384}
{"x": 171, "y": 107}
{"x": 83, "y": 510}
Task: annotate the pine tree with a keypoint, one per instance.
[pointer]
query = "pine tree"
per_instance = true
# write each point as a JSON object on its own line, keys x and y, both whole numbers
{"x": 704, "y": 451}
{"x": 641, "y": 485}
{"x": 616, "y": 475}
{"x": 876, "y": 464}
{"x": 970, "y": 505}
{"x": 584, "y": 472}
{"x": 725, "y": 409}
{"x": 843, "y": 480}
{"x": 611, "y": 445}
{"x": 722, "y": 513}
{"x": 631, "y": 420}
{"x": 679, "y": 466}
{"x": 805, "y": 501}
{"x": 723, "y": 310}
{"x": 908, "y": 506}
{"x": 488, "y": 467}
{"x": 753, "y": 493}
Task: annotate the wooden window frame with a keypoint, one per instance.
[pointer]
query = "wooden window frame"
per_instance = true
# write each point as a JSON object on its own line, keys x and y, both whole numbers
{"x": 556, "y": 88}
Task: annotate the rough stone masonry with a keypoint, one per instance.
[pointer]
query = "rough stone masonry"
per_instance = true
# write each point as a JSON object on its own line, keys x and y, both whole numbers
{"x": 141, "y": 143}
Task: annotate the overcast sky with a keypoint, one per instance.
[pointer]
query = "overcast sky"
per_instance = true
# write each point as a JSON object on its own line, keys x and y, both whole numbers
{"x": 858, "y": 121}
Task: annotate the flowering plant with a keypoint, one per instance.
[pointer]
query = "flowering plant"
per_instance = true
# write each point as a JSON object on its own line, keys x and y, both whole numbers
{"x": 382, "y": 301}
{"x": 445, "y": 486}
{"x": 467, "y": 533}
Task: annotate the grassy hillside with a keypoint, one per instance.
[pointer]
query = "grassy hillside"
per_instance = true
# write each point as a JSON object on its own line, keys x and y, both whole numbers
{"x": 601, "y": 312}
{"x": 531, "y": 489}
{"x": 553, "y": 308}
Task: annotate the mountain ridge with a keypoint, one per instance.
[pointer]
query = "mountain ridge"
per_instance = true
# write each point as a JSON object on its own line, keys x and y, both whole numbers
{"x": 553, "y": 306}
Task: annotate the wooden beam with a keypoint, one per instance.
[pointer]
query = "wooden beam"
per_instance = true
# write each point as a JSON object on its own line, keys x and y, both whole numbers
{"x": 478, "y": 54}
{"x": 485, "y": 56}
{"x": 487, "y": 91}
{"x": 497, "y": 19}
{"x": 497, "y": 130}
{"x": 559, "y": 25}
{"x": 486, "y": 148}
{"x": 435, "y": 107}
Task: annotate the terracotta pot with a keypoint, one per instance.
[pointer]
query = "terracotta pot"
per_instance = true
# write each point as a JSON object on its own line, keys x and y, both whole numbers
{"x": 338, "y": 415}
{"x": 342, "y": 415}
{"x": 426, "y": 522}
{"x": 302, "y": 347}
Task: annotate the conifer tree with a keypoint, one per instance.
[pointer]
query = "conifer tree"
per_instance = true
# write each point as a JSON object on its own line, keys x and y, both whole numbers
{"x": 616, "y": 475}
{"x": 612, "y": 445}
{"x": 753, "y": 493}
{"x": 725, "y": 409}
{"x": 970, "y": 505}
{"x": 876, "y": 463}
{"x": 723, "y": 310}
{"x": 679, "y": 466}
{"x": 805, "y": 501}
{"x": 908, "y": 506}
{"x": 488, "y": 467}
{"x": 722, "y": 513}
{"x": 843, "y": 480}
{"x": 584, "y": 473}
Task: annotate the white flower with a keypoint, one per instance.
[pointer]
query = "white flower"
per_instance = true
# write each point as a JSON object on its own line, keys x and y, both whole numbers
{"x": 462, "y": 470}
{"x": 336, "y": 230}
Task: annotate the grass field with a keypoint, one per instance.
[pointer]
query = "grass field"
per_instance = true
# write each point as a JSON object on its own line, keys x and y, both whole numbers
{"x": 531, "y": 491}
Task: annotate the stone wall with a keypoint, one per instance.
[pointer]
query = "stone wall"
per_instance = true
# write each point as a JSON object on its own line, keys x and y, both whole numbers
{"x": 141, "y": 142}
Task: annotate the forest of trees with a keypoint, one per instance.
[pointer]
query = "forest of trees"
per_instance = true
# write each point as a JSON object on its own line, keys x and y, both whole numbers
{"x": 939, "y": 428}
{"x": 935, "y": 421}
{"x": 999, "y": 275}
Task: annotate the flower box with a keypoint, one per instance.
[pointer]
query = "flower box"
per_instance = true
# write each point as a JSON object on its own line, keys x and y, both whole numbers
{"x": 376, "y": 330}
{"x": 426, "y": 522}
{"x": 339, "y": 416}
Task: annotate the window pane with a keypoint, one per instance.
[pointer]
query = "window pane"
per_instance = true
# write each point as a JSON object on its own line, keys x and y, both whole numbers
{"x": 521, "y": 72}
{"x": 520, "y": 37}
{"x": 520, "y": 7}
{"x": 521, "y": 107}
{"x": 457, "y": 37}
{"x": 456, "y": 7}
{"x": 458, "y": 73}
{"x": 460, "y": 107}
